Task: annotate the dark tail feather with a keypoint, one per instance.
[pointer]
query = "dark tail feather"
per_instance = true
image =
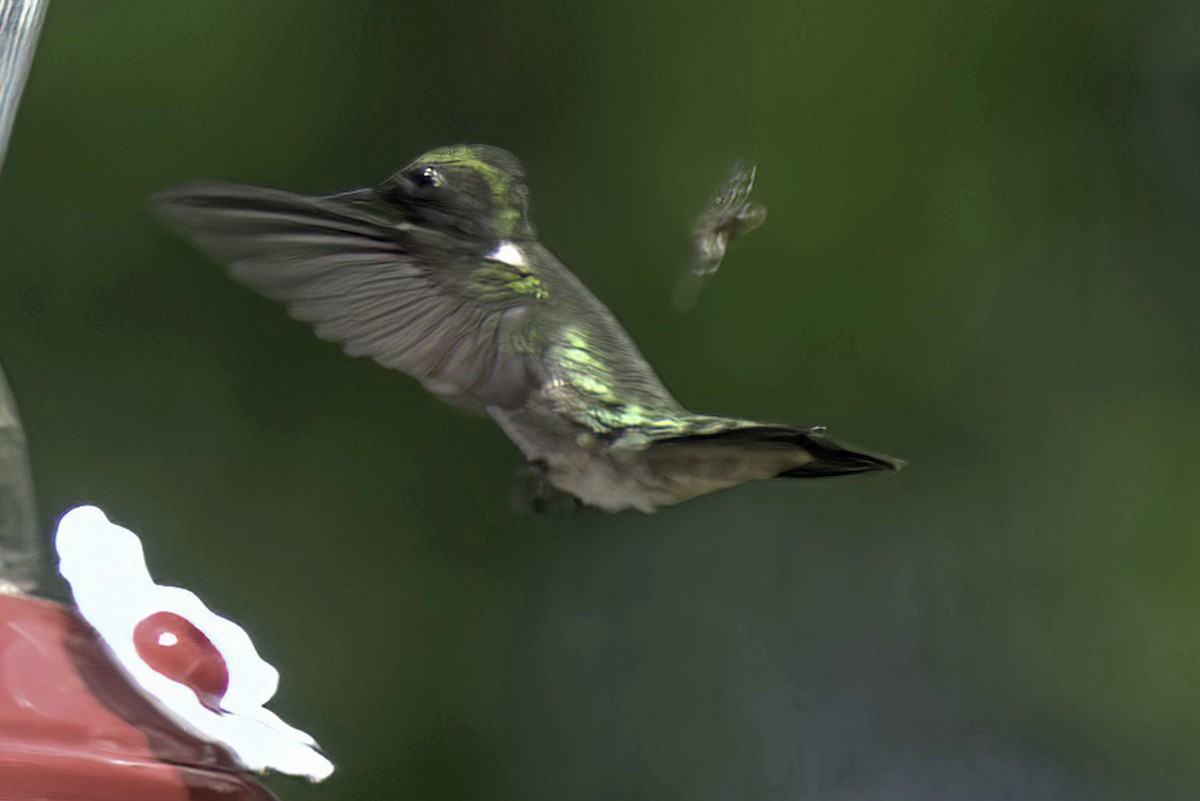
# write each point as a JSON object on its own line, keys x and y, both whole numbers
{"x": 829, "y": 458}
{"x": 832, "y": 459}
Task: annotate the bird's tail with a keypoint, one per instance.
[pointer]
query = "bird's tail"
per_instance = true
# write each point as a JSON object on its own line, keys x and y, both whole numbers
{"x": 785, "y": 451}
{"x": 833, "y": 459}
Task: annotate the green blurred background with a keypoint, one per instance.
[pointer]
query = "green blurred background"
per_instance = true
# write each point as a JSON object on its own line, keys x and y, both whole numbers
{"x": 982, "y": 255}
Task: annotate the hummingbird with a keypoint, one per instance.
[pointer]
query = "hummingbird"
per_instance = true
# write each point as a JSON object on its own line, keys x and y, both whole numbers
{"x": 438, "y": 272}
{"x": 730, "y": 213}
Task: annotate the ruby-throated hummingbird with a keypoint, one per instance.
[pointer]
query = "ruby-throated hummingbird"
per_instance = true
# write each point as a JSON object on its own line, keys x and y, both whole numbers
{"x": 730, "y": 213}
{"x": 438, "y": 272}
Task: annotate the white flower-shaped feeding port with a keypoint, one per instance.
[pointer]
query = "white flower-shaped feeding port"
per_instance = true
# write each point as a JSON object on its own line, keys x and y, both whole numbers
{"x": 199, "y": 668}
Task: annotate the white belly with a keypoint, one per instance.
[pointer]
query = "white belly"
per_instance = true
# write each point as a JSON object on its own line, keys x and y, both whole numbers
{"x": 578, "y": 467}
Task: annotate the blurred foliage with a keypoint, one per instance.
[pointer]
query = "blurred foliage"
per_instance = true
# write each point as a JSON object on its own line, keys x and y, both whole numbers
{"x": 982, "y": 256}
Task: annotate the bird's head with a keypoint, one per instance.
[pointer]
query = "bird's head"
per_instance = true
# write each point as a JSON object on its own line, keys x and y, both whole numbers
{"x": 472, "y": 190}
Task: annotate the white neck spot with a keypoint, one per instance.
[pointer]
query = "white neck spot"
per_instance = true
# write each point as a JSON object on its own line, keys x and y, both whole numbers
{"x": 508, "y": 253}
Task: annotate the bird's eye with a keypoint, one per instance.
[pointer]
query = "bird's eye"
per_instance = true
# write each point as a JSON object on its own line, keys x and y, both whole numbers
{"x": 429, "y": 176}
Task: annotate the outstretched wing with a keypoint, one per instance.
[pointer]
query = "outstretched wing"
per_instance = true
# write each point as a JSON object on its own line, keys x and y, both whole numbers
{"x": 413, "y": 299}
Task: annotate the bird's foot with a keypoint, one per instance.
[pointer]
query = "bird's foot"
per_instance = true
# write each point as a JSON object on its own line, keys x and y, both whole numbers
{"x": 533, "y": 492}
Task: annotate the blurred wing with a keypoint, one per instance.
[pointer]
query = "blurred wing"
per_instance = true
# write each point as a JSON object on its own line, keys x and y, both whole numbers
{"x": 411, "y": 299}
{"x": 730, "y": 213}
